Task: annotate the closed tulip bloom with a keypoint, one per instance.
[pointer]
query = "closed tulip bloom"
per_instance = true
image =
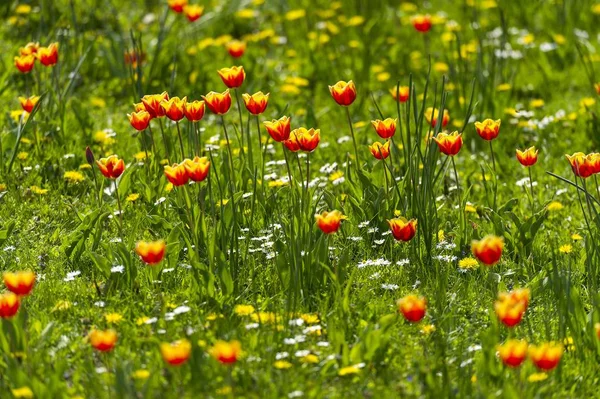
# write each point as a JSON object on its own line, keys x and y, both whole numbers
{"x": 509, "y": 312}
{"x": 218, "y": 103}
{"x": 581, "y": 164}
{"x": 329, "y": 222}
{"x": 103, "y": 341}
{"x": 25, "y": 63}
{"x": 488, "y": 250}
{"x": 597, "y": 328}
{"x": 594, "y": 160}
{"x": 111, "y": 167}
{"x": 139, "y": 120}
{"x": 513, "y": 352}
{"x": 385, "y": 128}
{"x": 516, "y": 295}
{"x": 194, "y": 111}
{"x": 176, "y": 174}
{"x": 29, "y": 103}
{"x": 528, "y": 157}
{"x": 236, "y": 48}
{"x": 151, "y": 253}
{"x": 226, "y": 352}
{"x": 292, "y": 143}
{"x": 137, "y": 107}
{"x": 9, "y": 305}
{"x": 21, "y": 283}
{"x": 401, "y": 93}
{"x": 422, "y": 23}
{"x": 546, "y": 356}
{"x": 177, "y": 5}
{"x": 431, "y": 115}
{"x": 174, "y": 108}
{"x": 197, "y": 169}
{"x": 308, "y": 140}
{"x": 193, "y": 12}
{"x": 412, "y": 307}
{"x": 256, "y": 103}
{"x": 232, "y": 77}
{"x": 30, "y": 48}
{"x": 449, "y": 144}
{"x": 488, "y": 129}
{"x": 380, "y": 151}
{"x": 176, "y": 353}
{"x": 343, "y": 93}
{"x": 279, "y": 129}
{"x": 152, "y": 103}
{"x": 403, "y": 229}
{"x": 48, "y": 56}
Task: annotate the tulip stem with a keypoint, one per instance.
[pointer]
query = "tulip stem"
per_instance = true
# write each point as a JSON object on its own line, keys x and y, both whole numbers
{"x": 180, "y": 140}
{"x": 162, "y": 132}
{"x": 152, "y": 141}
{"x": 456, "y": 176}
{"x": 287, "y": 164}
{"x": 145, "y": 145}
{"x": 307, "y": 178}
{"x": 531, "y": 188}
{"x": 120, "y": 209}
{"x": 232, "y": 185}
{"x": 262, "y": 155}
{"x": 237, "y": 100}
{"x": 353, "y": 137}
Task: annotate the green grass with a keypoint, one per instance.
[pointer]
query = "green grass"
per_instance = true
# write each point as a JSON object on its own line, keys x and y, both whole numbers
{"x": 246, "y": 237}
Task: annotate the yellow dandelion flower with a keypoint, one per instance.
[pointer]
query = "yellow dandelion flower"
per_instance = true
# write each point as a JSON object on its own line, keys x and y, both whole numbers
{"x": 141, "y": 320}
{"x": 61, "y": 305}
{"x": 428, "y": 329}
{"x": 295, "y": 14}
{"x": 169, "y": 187}
{"x": 23, "y": 9}
{"x": 140, "y": 156}
{"x": 468, "y": 263}
{"x": 536, "y": 377}
{"x": 576, "y": 237}
{"x": 554, "y": 206}
{"x": 309, "y": 359}
{"x": 38, "y": 190}
{"x": 23, "y": 393}
{"x": 355, "y": 21}
{"x": 98, "y": 102}
{"x": 245, "y": 14}
{"x": 537, "y": 103}
{"x": 310, "y": 318}
{"x": 243, "y": 310}
{"x": 282, "y": 364}
{"x": 503, "y": 87}
{"x": 84, "y": 166}
{"x": 2, "y": 187}
{"x": 132, "y": 197}
{"x": 22, "y": 156}
{"x": 113, "y": 318}
{"x": 141, "y": 374}
{"x": 349, "y": 370}
{"x": 336, "y": 175}
{"x": 73, "y": 176}
{"x": 565, "y": 249}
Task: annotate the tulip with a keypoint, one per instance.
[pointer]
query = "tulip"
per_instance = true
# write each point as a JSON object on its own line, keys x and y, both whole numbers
{"x": 236, "y": 48}
{"x": 380, "y": 151}
{"x": 256, "y": 103}
{"x": 177, "y": 5}
{"x": 546, "y": 356}
{"x": 308, "y": 140}
{"x": 517, "y": 295}
{"x": 111, "y": 167}
{"x": 431, "y": 115}
{"x": 597, "y": 328}
{"x": 449, "y": 144}
{"x": 513, "y": 352}
{"x": 30, "y": 48}
{"x": 25, "y": 63}
{"x": 279, "y": 129}
{"x": 151, "y": 253}
{"x": 48, "y": 56}
{"x": 193, "y": 12}
{"x": 176, "y": 353}
{"x": 292, "y": 143}
{"x": 509, "y": 312}
{"x": 594, "y": 160}
{"x": 194, "y": 111}
{"x": 103, "y": 341}
{"x": 139, "y": 120}
{"x": 401, "y": 93}
{"x": 422, "y": 23}
{"x": 528, "y": 157}
{"x": 21, "y": 283}
{"x": 174, "y": 108}
{"x": 197, "y": 169}
{"x": 403, "y": 229}
{"x": 218, "y": 103}
{"x": 488, "y": 250}
{"x": 581, "y": 164}
{"x": 488, "y": 129}
{"x": 9, "y": 305}
{"x": 152, "y": 103}
{"x": 412, "y": 308}
{"x": 177, "y": 174}
{"x": 226, "y": 352}
{"x": 329, "y": 222}
{"x": 137, "y": 107}
{"x": 385, "y": 128}
{"x": 343, "y": 93}
{"x": 28, "y": 104}
{"x": 232, "y": 77}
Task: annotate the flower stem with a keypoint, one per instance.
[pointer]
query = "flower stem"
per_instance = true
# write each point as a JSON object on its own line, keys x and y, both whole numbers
{"x": 180, "y": 140}
{"x": 353, "y": 137}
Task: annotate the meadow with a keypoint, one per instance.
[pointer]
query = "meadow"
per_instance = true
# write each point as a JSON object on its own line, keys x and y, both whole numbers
{"x": 299, "y": 199}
